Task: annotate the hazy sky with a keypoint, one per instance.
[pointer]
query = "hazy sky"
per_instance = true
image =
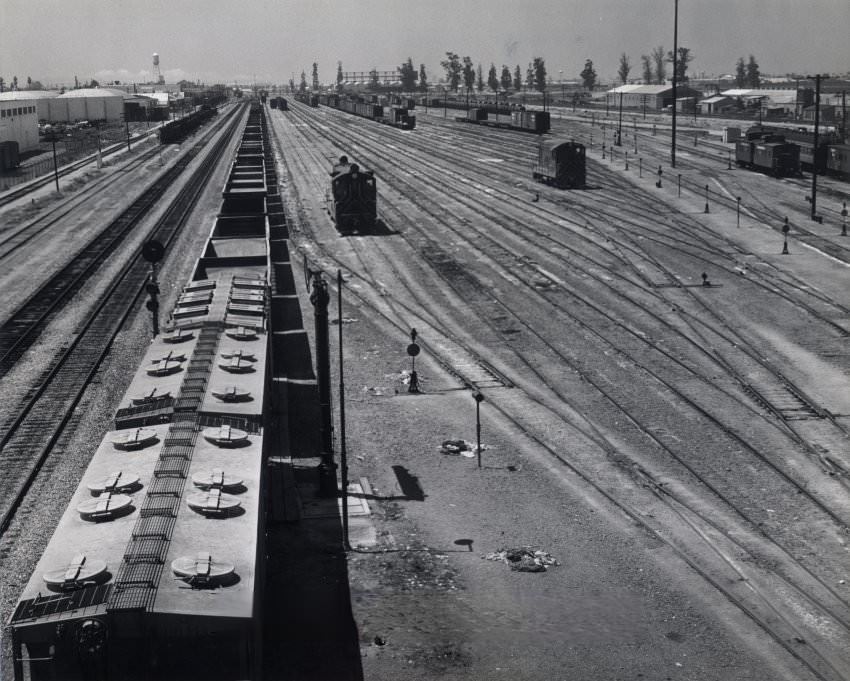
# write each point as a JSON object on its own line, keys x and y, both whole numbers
{"x": 266, "y": 40}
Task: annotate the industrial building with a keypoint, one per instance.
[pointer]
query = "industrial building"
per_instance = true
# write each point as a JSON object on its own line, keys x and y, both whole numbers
{"x": 650, "y": 97}
{"x": 87, "y": 104}
{"x": 19, "y": 120}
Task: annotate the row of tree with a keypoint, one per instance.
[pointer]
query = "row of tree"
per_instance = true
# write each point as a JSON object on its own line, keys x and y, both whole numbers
{"x": 463, "y": 71}
{"x": 31, "y": 84}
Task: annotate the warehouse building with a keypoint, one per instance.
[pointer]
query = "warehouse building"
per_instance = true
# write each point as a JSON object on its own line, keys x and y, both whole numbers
{"x": 87, "y": 104}
{"x": 650, "y": 97}
{"x": 41, "y": 98}
{"x": 19, "y": 120}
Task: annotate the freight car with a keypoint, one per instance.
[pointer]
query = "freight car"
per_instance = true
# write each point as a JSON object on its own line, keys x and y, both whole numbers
{"x": 838, "y": 160}
{"x": 354, "y": 197}
{"x": 9, "y": 155}
{"x": 176, "y": 131}
{"x": 805, "y": 139}
{"x": 408, "y": 103}
{"x": 561, "y": 163}
{"x": 489, "y": 106}
{"x": 279, "y": 103}
{"x": 155, "y": 570}
{"x": 308, "y": 98}
{"x": 525, "y": 121}
{"x": 771, "y": 154}
{"x": 398, "y": 117}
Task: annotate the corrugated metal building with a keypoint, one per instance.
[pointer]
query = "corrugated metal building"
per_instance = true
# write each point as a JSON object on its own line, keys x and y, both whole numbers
{"x": 87, "y": 104}
{"x": 19, "y": 120}
{"x": 653, "y": 97}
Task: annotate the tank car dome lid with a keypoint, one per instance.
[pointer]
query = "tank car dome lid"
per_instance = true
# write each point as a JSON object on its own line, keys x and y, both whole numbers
{"x": 16, "y": 95}
{"x": 91, "y": 92}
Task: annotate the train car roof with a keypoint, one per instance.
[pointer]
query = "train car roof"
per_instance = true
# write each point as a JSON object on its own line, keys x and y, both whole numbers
{"x": 552, "y": 144}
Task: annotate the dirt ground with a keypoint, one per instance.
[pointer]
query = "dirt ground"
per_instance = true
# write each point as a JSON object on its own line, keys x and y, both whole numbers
{"x": 418, "y": 600}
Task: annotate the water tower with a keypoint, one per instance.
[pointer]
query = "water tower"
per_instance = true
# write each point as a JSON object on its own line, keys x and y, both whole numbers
{"x": 157, "y": 74}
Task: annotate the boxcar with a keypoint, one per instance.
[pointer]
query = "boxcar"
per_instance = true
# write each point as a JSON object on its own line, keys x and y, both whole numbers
{"x": 533, "y": 121}
{"x": 779, "y": 158}
{"x": 838, "y": 160}
{"x": 561, "y": 163}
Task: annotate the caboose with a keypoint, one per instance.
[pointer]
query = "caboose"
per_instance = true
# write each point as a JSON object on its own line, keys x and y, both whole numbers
{"x": 354, "y": 205}
{"x": 561, "y": 163}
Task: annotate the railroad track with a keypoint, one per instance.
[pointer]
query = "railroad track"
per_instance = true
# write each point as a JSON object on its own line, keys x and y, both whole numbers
{"x": 30, "y": 438}
{"x": 23, "y": 326}
{"x": 29, "y": 187}
{"x": 15, "y": 238}
{"x": 778, "y": 622}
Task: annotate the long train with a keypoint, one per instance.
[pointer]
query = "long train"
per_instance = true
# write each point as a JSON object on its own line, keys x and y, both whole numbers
{"x": 157, "y": 565}
{"x": 176, "y": 131}
{"x": 396, "y": 116}
{"x": 525, "y": 121}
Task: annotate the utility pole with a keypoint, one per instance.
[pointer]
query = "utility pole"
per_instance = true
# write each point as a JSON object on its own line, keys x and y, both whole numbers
{"x": 620, "y": 124}
{"x": 816, "y": 155}
{"x": 675, "y": 70}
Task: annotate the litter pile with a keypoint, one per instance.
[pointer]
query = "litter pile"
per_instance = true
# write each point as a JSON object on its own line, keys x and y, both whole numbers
{"x": 523, "y": 558}
{"x": 458, "y": 447}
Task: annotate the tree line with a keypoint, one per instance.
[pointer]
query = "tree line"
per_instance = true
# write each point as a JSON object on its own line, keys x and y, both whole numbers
{"x": 462, "y": 71}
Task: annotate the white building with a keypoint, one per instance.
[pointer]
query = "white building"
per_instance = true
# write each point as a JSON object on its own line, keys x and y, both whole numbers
{"x": 87, "y": 104}
{"x": 41, "y": 97}
{"x": 19, "y": 120}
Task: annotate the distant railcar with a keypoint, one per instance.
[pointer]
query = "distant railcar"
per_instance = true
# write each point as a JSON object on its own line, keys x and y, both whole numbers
{"x": 354, "y": 206}
{"x": 775, "y": 157}
{"x": 395, "y": 116}
{"x": 526, "y": 121}
{"x": 561, "y": 163}
{"x": 9, "y": 155}
{"x": 533, "y": 121}
{"x": 838, "y": 160}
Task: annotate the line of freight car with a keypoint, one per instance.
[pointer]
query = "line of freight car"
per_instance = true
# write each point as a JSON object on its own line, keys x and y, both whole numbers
{"x": 307, "y": 98}
{"x": 279, "y": 103}
{"x": 832, "y": 155}
{"x": 398, "y": 117}
{"x": 490, "y": 107}
{"x": 156, "y": 568}
{"x": 526, "y": 121}
{"x": 769, "y": 154}
{"x": 176, "y": 131}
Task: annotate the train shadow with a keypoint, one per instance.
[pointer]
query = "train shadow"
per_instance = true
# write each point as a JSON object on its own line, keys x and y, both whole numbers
{"x": 380, "y": 228}
{"x": 309, "y": 629}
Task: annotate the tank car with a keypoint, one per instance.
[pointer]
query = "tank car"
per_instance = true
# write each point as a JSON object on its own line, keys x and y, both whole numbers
{"x": 561, "y": 163}
{"x": 354, "y": 206}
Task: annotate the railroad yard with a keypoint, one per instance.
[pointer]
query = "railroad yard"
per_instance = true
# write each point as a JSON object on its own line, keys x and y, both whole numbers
{"x": 661, "y": 373}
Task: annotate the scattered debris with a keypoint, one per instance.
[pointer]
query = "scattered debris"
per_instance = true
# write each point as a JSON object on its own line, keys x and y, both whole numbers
{"x": 345, "y": 320}
{"x": 523, "y": 558}
{"x": 373, "y": 390}
{"x": 460, "y": 448}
